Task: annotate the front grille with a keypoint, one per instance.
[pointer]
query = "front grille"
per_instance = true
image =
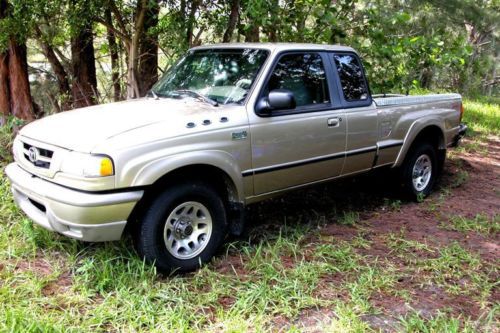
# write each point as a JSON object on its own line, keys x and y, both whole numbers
{"x": 37, "y": 156}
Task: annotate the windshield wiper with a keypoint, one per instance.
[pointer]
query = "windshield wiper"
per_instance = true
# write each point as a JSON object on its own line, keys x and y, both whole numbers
{"x": 152, "y": 92}
{"x": 198, "y": 95}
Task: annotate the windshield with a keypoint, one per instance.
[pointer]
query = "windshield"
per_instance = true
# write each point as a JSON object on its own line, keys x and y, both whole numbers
{"x": 221, "y": 75}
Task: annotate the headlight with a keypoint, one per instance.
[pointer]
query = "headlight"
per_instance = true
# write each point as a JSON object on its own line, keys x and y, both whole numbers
{"x": 16, "y": 147}
{"x": 88, "y": 165}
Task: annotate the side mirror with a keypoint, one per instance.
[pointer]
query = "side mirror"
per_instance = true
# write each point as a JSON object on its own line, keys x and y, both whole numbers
{"x": 278, "y": 99}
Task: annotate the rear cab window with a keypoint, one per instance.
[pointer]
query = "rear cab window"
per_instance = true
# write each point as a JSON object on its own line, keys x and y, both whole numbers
{"x": 352, "y": 79}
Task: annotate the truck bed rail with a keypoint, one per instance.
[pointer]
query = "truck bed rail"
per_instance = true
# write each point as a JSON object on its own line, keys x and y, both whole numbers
{"x": 417, "y": 99}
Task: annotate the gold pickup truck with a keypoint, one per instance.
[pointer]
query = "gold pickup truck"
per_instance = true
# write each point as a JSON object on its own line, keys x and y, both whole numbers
{"x": 227, "y": 126}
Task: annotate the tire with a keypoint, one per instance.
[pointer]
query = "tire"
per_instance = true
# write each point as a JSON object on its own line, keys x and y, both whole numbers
{"x": 183, "y": 228}
{"x": 419, "y": 171}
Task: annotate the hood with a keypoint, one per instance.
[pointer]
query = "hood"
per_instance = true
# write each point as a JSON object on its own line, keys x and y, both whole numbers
{"x": 83, "y": 129}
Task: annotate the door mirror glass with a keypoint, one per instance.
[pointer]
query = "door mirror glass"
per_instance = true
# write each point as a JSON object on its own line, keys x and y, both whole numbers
{"x": 281, "y": 99}
{"x": 278, "y": 99}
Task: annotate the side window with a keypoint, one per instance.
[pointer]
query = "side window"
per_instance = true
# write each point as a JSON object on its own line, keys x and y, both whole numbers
{"x": 351, "y": 77}
{"x": 304, "y": 75}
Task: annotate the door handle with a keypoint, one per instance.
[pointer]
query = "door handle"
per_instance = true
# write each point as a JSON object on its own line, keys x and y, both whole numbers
{"x": 334, "y": 122}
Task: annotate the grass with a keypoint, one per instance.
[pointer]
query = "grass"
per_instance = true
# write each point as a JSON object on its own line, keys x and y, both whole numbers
{"x": 482, "y": 116}
{"x": 349, "y": 218}
{"x": 439, "y": 323}
{"x": 461, "y": 178}
{"x": 288, "y": 274}
{"x": 480, "y": 223}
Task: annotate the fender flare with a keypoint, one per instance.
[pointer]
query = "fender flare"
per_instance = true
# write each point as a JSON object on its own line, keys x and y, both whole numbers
{"x": 415, "y": 129}
{"x": 154, "y": 170}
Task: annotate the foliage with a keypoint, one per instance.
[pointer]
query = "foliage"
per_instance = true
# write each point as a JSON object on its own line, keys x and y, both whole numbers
{"x": 405, "y": 44}
{"x": 482, "y": 115}
{"x": 7, "y": 133}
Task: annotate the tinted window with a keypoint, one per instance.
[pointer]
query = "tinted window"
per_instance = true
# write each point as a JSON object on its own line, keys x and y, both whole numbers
{"x": 304, "y": 75}
{"x": 351, "y": 77}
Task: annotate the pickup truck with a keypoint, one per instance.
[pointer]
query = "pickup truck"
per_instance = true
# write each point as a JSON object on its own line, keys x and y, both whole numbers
{"x": 228, "y": 125}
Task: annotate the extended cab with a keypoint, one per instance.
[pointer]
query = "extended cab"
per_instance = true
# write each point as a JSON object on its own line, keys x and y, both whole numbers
{"x": 227, "y": 126}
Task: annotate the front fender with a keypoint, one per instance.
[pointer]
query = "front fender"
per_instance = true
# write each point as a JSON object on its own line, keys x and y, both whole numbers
{"x": 224, "y": 161}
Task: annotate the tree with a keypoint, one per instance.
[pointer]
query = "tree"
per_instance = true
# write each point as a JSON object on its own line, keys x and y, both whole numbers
{"x": 148, "y": 49}
{"x": 58, "y": 69}
{"x": 114, "y": 55}
{"x": 405, "y": 44}
{"x": 15, "y": 94}
{"x": 144, "y": 17}
{"x": 233, "y": 19}
{"x": 84, "y": 85}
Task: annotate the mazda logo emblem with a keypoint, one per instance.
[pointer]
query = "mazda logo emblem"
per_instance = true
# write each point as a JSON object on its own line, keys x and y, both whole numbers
{"x": 33, "y": 154}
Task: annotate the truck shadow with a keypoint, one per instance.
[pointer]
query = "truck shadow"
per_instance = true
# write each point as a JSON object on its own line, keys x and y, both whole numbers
{"x": 355, "y": 197}
{"x": 346, "y": 201}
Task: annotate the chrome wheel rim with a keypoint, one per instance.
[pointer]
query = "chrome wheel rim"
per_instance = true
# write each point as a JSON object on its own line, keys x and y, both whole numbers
{"x": 187, "y": 230}
{"x": 422, "y": 172}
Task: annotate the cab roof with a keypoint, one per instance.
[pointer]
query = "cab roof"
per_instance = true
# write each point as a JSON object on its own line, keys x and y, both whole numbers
{"x": 278, "y": 47}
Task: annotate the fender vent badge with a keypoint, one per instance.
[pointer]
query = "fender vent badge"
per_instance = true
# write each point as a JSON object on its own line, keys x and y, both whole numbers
{"x": 239, "y": 135}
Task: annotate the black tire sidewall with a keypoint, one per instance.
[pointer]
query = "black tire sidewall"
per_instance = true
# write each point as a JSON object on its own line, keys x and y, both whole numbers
{"x": 407, "y": 176}
{"x": 150, "y": 242}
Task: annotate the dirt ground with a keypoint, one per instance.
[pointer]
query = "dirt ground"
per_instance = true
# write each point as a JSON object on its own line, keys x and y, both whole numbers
{"x": 370, "y": 197}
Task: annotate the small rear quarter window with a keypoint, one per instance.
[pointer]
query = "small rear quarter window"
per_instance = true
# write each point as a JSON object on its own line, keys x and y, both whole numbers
{"x": 351, "y": 77}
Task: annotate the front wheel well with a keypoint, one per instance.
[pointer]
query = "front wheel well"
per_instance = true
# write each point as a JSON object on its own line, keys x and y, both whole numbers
{"x": 211, "y": 175}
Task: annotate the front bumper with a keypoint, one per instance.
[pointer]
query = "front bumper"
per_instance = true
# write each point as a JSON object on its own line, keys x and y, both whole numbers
{"x": 462, "y": 129}
{"x": 85, "y": 216}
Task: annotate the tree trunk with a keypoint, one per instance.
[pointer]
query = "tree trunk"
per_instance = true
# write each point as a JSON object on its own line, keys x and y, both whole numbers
{"x": 21, "y": 104}
{"x": 233, "y": 19}
{"x": 114, "y": 55}
{"x": 4, "y": 84}
{"x": 252, "y": 33}
{"x": 426, "y": 77}
{"x": 59, "y": 71}
{"x": 273, "y": 28}
{"x": 4, "y": 71}
{"x": 133, "y": 52}
{"x": 190, "y": 22}
{"x": 148, "y": 50}
{"x": 84, "y": 86}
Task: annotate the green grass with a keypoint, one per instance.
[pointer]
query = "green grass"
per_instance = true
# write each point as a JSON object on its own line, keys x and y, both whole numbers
{"x": 440, "y": 323}
{"x": 482, "y": 117}
{"x": 480, "y": 223}
{"x": 460, "y": 178}
{"x": 271, "y": 281}
{"x": 349, "y": 218}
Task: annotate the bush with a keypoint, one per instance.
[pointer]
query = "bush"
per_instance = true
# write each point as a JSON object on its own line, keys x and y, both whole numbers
{"x": 7, "y": 133}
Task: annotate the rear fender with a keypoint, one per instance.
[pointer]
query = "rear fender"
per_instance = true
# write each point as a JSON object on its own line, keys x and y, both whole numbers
{"x": 415, "y": 129}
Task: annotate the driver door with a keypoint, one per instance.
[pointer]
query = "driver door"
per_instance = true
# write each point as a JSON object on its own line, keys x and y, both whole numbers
{"x": 305, "y": 144}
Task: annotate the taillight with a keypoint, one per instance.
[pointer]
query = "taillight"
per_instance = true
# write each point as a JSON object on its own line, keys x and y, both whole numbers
{"x": 461, "y": 111}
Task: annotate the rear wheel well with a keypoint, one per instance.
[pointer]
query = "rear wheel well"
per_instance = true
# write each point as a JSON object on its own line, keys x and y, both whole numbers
{"x": 435, "y": 137}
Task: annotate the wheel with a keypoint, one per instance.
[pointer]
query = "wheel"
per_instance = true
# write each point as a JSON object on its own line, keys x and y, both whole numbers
{"x": 183, "y": 228}
{"x": 419, "y": 171}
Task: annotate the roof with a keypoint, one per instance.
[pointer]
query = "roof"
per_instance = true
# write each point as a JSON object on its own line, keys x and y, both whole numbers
{"x": 278, "y": 46}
